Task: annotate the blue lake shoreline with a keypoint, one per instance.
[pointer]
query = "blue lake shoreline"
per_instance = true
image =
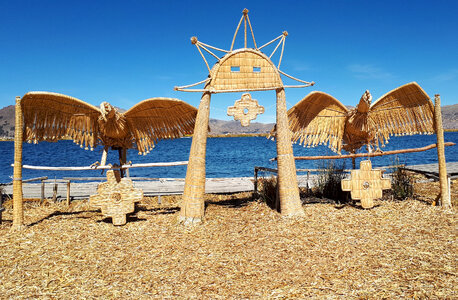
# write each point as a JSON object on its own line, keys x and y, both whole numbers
{"x": 226, "y": 156}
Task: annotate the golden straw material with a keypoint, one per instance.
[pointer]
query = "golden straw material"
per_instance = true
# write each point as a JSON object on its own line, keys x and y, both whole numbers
{"x": 192, "y": 207}
{"x": 321, "y": 119}
{"x": 288, "y": 190}
{"x": 401, "y": 249}
{"x": 245, "y": 109}
{"x": 366, "y": 184}
{"x": 445, "y": 193}
{"x": 51, "y": 116}
{"x": 116, "y": 197}
{"x": 18, "y": 213}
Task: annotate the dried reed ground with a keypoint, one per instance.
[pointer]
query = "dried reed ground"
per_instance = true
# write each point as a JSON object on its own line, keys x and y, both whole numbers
{"x": 242, "y": 250}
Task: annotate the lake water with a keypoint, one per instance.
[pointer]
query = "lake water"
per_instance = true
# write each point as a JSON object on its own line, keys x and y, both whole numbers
{"x": 226, "y": 157}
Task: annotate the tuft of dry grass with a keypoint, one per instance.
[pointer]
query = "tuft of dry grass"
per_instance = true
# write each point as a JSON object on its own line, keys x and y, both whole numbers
{"x": 244, "y": 249}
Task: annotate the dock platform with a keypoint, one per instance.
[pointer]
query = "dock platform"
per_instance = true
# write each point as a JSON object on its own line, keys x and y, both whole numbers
{"x": 162, "y": 186}
{"x": 432, "y": 170}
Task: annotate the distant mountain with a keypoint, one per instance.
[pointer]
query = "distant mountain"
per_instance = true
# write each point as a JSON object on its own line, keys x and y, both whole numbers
{"x": 220, "y": 127}
{"x": 450, "y": 116}
{"x": 7, "y": 121}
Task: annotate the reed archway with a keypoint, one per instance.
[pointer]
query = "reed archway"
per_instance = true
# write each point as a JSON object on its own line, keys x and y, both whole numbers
{"x": 241, "y": 70}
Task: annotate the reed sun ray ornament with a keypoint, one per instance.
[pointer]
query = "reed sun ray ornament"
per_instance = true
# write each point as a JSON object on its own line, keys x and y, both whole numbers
{"x": 52, "y": 116}
{"x": 320, "y": 118}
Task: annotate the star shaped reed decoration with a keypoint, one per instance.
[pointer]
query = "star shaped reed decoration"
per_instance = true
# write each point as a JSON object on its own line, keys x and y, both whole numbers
{"x": 116, "y": 197}
{"x": 245, "y": 109}
{"x": 366, "y": 184}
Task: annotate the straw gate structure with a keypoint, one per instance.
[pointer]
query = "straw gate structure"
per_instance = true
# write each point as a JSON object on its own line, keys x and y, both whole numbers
{"x": 51, "y": 116}
{"x": 241, "y": 70}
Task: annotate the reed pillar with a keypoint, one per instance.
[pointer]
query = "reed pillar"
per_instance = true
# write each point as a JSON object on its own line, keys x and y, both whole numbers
{"x": 445, "y": 196}
{"x": 18, "y": 213}
{"x": 193, "y": 202}
{"x": 288, "y": 190}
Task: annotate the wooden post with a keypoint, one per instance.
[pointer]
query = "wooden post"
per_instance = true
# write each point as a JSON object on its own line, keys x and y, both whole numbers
{"x": 68, "y": 193}
{"x": 290, "y": 202}
{"x": 54, "y": 191}
{"x": 255, "y": 183}
{"x": 103, "y": 161}
{"x": 308, "y": 178}
{"x": 192, "y": 207}
{"x": 124, "y": 161}
{"x": 441, "y": 153}
{"x": 1, "y": 205}
{"x": 42, "y": 198}
{"x": 18, "y": 213}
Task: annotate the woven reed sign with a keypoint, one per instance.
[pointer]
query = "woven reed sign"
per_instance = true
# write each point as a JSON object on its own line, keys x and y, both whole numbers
{"x": 366, "y": 184}
{"x": 245, "y": 109}
{"x": 116, "y": 197}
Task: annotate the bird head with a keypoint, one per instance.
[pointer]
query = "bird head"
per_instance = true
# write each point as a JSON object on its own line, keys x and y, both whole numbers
{"x": 365, "y": 102}
{"x": 107, "y": 110}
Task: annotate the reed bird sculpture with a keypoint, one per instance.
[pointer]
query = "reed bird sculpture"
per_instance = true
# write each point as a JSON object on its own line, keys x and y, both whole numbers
{"x": 52, "y": 116}
{"x": 320, "y": 119}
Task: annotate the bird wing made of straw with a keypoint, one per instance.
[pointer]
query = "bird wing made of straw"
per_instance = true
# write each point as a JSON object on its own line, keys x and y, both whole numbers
{"x": 406, "y": 110}
{"x": 318, "y": 119}
{"x": 160, "y": 118}
{"x": 52, "y": 116}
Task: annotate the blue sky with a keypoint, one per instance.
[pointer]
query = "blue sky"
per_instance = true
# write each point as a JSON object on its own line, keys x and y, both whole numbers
{"x": 127, "y": 51}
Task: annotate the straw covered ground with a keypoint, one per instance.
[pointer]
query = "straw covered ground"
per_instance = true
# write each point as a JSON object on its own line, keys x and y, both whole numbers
{"x": 242, "y": 250}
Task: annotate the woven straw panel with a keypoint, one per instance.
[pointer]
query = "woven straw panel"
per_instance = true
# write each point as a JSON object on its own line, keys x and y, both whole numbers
{"x": 247, "y": 59}
{"x": 116, "y": 197}
{"x": 366, "y": 184}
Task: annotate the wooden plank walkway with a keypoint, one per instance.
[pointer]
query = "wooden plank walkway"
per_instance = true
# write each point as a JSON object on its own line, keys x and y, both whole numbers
{"x": 164, "y": 186}
{"x": 432, "y": 170}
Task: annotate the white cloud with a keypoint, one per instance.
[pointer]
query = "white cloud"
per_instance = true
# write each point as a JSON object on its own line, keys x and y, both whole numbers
{"x": 368, "y": 71}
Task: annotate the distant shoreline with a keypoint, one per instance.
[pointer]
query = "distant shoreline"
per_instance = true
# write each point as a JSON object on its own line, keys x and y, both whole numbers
{"x": 9, "y": 139}
{"x": 210, "y": 136}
